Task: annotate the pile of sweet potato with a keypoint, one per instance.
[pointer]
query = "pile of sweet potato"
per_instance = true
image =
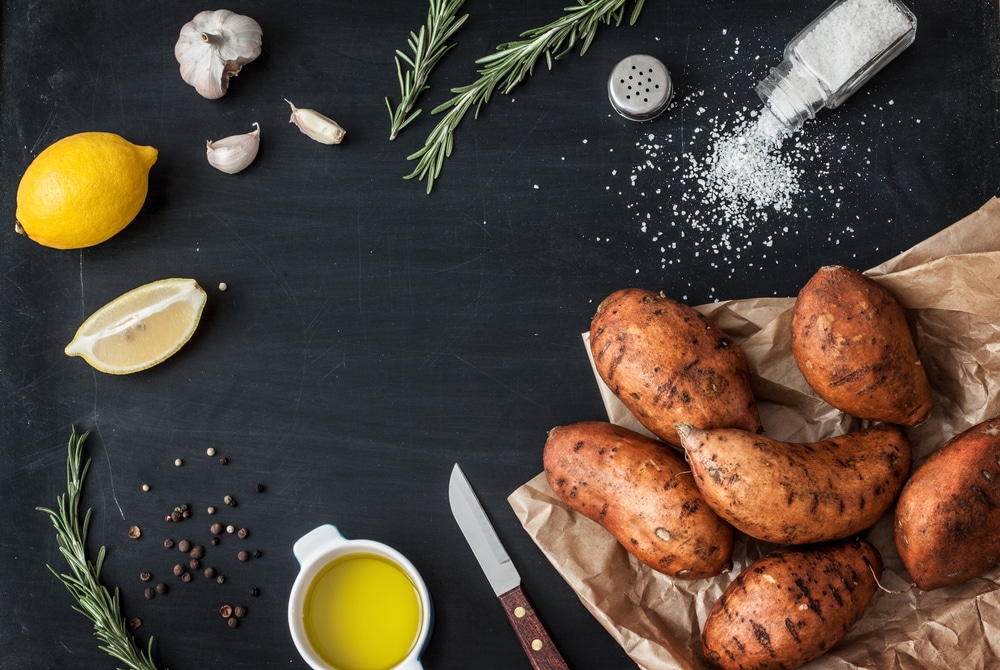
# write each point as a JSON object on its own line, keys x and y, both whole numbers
{"x": 675, "y": 502}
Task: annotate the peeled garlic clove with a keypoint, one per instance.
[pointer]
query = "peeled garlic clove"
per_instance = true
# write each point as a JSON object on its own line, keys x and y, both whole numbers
{"x": 214, "y": 46}
{"x": 315, "y": 125}
{"x": 233, "y": 154}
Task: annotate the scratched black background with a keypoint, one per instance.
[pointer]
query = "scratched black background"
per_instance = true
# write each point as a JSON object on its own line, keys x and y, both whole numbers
{"x": 373, "y": 335}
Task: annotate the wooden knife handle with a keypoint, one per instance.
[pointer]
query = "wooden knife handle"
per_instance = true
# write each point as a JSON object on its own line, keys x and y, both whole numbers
{"x": 534, "y": 638}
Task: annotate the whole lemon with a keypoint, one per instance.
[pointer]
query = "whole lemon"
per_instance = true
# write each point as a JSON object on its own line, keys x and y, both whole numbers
{"x": 83, "y": 189}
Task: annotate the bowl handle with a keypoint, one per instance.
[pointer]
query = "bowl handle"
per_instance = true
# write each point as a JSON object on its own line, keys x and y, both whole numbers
{"x": 317, "y": 540}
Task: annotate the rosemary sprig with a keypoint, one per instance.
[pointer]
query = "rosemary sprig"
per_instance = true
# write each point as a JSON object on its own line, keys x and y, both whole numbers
{"x": 508, "y": 66}
{"x": 428, "y": 47}
{"x": 84, "y": 579}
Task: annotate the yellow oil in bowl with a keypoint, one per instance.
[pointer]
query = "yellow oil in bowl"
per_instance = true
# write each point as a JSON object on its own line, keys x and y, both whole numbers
{"x": 362, "y": 613}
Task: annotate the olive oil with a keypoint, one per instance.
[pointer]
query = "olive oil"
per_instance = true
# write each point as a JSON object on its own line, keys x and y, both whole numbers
{"x": 362, "y": 613}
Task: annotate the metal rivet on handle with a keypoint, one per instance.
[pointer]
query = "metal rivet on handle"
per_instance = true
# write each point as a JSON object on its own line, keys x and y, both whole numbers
{"x": 640, "y": 88}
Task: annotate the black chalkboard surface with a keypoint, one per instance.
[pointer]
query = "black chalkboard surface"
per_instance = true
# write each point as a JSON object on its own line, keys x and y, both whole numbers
{"x": 373, "y": 335}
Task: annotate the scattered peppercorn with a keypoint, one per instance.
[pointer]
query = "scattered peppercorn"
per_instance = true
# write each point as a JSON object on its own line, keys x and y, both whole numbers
{"x": 243, "y": 555}
{"x": 197, "y": 551}
{"x": 230, "y": 529}
{"x": 168, "y": 543}
{"x": 134, "y": 532}
{"x": 145, "y": 487}
{"x": 224, "y": 460}
{"x": 242, "y": 533}
{"x": 184, "y": 546}
{"x": 257, "y": 553}
{"x": 223, "y": 286}
{"x": 240, "y": 611}
{"x": 168, "y": 517}
{"x": 226, "y": 611}
{"x": 211, "y": 510}
{"x": 186, "y": 514}
{"x": 161, "y": 589}
{"x": 179, "y": 570}
{"x": 134, "y": 623}
{"x": 210, "y": 451}
{"x": 234, "y": 622}
{"x": 254, "y": 591}
{"x": 259, "y": 488}
{"x": 194, "y": 564}
{"x": 209, "y": 572}
{"x": 178, "y": 462}
{"x": 145, "y": 576}
{"x": 175, "y": 516}
{"x": 186, "y": 577}
{"x": 216, "y": 528}
{"x": 229, "y": 500}
{"x": 220, "y": 579}
{"x": 149, "y": 593}
{"x": 215, "y": 541}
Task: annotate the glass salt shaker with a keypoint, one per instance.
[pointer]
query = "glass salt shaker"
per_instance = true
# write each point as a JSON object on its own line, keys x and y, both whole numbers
{"x": 834, "y": 56}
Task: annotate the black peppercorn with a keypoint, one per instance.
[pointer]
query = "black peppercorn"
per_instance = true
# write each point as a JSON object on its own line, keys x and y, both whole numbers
{"x": 149, "y": 593}
{"x": 197, "y": 551}
{"x": 254, "y": 591}
{"x": 240, "y": 611}
{"x": 209, "y": 572}
{"x": 223, "y": 460}
{"x": 194, "y": 564}
{"x": 257, "y": 553}
{"x": 259, "y": 488}
{"x": 215, "y": 541}
{"x": 216, "y": 528}
{"x": 243, "y": 556}
{"x": 179, "y": 570}
{"x": 145, "y": 576}
{"x": 161, "y": 588}
{"x": 234, "y": 622}
{"x": 175, "y": 516}
{"x": 168, "y": 543}
{"x": 184, "y": 546}
{"x": 242, "y": 533}
{"x": 186, "y": 577}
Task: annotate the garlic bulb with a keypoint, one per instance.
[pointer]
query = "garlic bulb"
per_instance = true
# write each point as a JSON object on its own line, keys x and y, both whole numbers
{"x": 233, "y": 154}
{"x": 214, "y": 46}
{"x": 315, "y": 125}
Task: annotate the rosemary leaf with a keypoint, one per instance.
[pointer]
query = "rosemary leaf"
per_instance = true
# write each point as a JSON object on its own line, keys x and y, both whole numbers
{"x": 511, "y": 63}
{"x": 83, "y": 582}
{"x": 428, "y": 47}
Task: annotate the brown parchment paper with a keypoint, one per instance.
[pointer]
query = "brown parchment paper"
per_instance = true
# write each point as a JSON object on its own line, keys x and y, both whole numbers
{"x": 949, "y": 286}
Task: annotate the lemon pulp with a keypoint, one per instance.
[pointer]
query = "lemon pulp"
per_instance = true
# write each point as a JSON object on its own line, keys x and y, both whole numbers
{"x": 141, "y": 328}
{"x": 362, "y": 613}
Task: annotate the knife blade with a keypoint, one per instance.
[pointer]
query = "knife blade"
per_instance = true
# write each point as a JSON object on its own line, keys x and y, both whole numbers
{"x": 502, "y": 574}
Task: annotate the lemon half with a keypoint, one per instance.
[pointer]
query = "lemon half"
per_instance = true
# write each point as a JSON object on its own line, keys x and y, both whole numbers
{"x": 141, "y": 328}
{"x": 83, "y": 189}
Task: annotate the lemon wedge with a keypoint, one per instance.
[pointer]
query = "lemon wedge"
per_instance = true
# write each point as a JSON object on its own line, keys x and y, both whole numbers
{"x": 141, "y": 328}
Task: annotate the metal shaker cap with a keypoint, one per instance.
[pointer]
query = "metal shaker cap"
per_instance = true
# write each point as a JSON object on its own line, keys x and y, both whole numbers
{"x": 640, "y": 88}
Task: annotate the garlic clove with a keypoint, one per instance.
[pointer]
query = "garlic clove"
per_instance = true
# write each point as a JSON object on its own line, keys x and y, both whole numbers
{"x": 214, "y": 46}
{"x": 315, "y": 125}
{"x": 234, "y": 153}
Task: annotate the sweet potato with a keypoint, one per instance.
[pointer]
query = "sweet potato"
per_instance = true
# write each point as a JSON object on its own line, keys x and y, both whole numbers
{"x": 791, "y": 606}
{"x": 668, "y": 363}
{"x": 853, "y": 345}
{"x": 641, "y": 491}
{"x": 947, "y": 526}
{"x": 792, "y": 493}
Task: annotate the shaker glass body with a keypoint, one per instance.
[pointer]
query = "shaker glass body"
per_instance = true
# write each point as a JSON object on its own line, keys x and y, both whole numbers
{"x": 834, "y": 56}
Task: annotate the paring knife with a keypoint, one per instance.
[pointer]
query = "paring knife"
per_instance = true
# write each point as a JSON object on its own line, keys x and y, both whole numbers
{"x": 502, "y": 574}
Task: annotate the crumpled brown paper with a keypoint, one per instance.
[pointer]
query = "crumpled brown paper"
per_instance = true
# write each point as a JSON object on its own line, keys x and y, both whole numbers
{"x": 950, "y": 286}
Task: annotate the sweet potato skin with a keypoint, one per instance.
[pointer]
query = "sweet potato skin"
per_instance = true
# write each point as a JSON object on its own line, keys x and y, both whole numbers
{"x": 667, "y": 363}
{"x": 947, "y": 524}
{"x": 792, "y": 493}
{"x": 791, "y": 606}
{"x": 853, "y": 345}
{"x": 641, "y": 491}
